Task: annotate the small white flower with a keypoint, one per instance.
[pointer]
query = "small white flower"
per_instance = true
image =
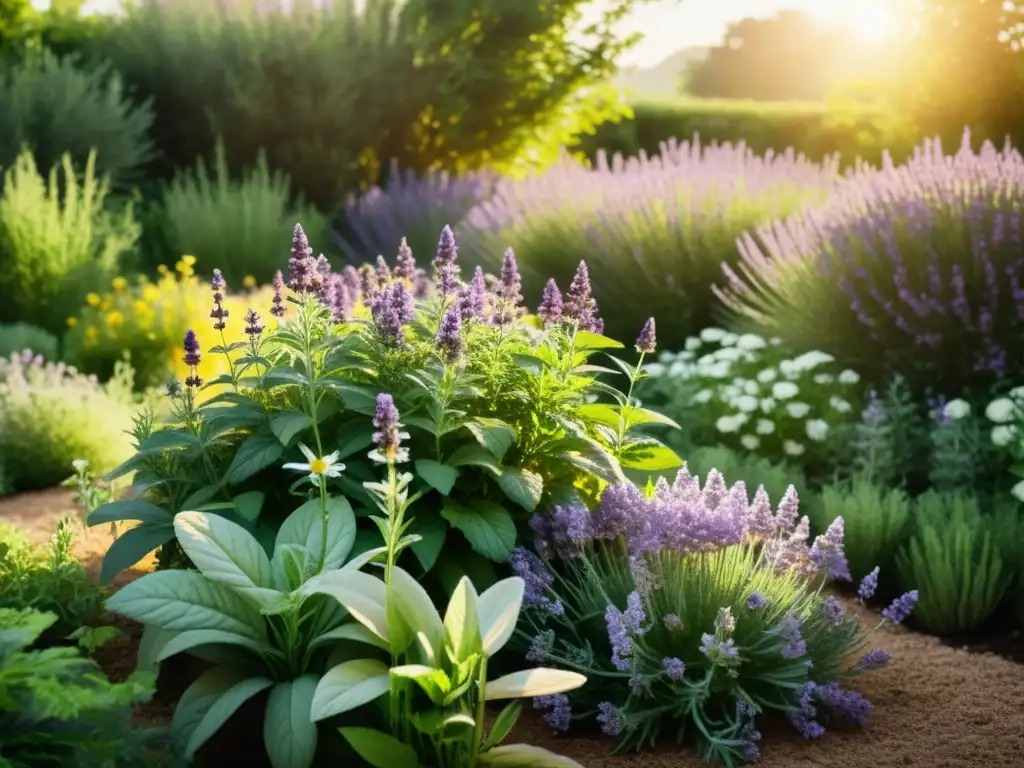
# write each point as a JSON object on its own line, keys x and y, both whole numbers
{"x": 1001, "y": 411}
{"x": 703, "y": 396}
{"x": 328, "y": 466}
{"x": 718, "y": 370}
{"x": 1017, "y": 393}
{"x": 817, "y": 429}
{"x": 728, "y": 340}
{"x": 813, "y": 359}
{"x": 767, "y": 376}
{"x": 666, "y": 357}
{"x": 750, "y": 388}
{"x": 685, "y": 356}
{"x": 824, "y": 378}
{"x": 792, "y": 449}
{"x": 839, "y": 405}
{"x": 775, "y": 341}
{"x": 729, "y": 423}
{"x": 957, "y": 409}
{"x": 706, "y": 360}
{"x": 798, "y": 410}
{"x": 768, "y": 405}
{"x": 679, "y": 370}
{"x": 1003, "y": 435}
{"x": 732, "y": 354}
{"x": 849, "y": 377}
{"x": 730, "y": 392}
{"x": 790, "y": 369}
{"x": 764, "y": 427}
{"x": 654, "y": 370}
{"x": 750, "y": 341}
{"x": 746, "y": 403}
{"x": 1018, "y": 490}
{"x": 750, "y": 442}
{"x": 783, "y": 390}
{"x": 80, "y": 465}
{"x": 712, "y": 335}
{"x": 692, "y": 343}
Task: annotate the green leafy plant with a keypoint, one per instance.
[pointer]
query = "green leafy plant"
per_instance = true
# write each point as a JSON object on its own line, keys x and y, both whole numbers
{"x": 890, "y": 442}
{"x": 956, "y": 445}
{"x": 17, "y": 337}
{"x": 51, "y": 415}
{"x": 493, "y": 402}
{"x": 232, "y": 224}
{"x": 876, "y": 521}
{"x": 692, "y": 610}
{"x": 1006, "y": 415}
{"x": 263, "y": 619}
{"x": 48, "y": 579}
{"x": 89, "y": 493}
{"x": 58, "y": 709}
{"x": 954, "y": 559}
{"x": 57, "y": 241}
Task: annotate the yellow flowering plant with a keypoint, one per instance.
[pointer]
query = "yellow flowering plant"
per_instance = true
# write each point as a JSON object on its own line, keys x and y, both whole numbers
{"x": 148, "y": 320}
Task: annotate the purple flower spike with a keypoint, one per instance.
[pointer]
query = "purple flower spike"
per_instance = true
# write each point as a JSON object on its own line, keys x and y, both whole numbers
{"x": 351, "y": 277}
{"x": 550, "y": 309}
{"x": 756, "y": 601}
{"x": 647, "y": 342}
{"x": 382, "y": 270}
{"x": 511, "y": 282}
{"x": 388, "y": 435}
{"x": 191, "y": 346}
{"x": 253, "y": 329}
{"x": 827, "y": 552}
{"x": 560, "y": 715}
{"x": 392, "y": 308}
{"x": 610, "y": 719}
{"x": 875, "y": 659}
{"x": 304, "y": 277}
{"x": 580, "y": 304}
{"x": 405, "y": 264}
{"x": 675, "y": 669}
{"x": 471, "y": 297}
{"x": 278, "y": 309}
{"x": 446, "y": 271}
{"x": 218, "y": 313}
{"x": 868, "y": 585}
{"x": 449, "y": 335}
{"x": 901, "y": 607}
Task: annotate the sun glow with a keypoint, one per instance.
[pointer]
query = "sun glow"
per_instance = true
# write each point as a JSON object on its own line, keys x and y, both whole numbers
{"x": 872, "y": 21}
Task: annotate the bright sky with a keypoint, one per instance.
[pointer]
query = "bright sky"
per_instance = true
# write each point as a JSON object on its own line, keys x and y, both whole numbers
{"x": 669, "y": 25}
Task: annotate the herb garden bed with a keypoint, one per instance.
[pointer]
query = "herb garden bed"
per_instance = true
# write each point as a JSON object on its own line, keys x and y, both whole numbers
{"x": 935, "y": 705}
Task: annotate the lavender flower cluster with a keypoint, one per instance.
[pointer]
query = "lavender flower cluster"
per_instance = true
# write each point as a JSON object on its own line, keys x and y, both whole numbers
{"x": 923, "y": 257}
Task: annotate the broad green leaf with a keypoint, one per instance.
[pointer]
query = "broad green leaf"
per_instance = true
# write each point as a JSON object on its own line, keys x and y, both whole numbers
{"x": 197, "y": 700}
{"x": 437, "y": 476}
{"x": 461, "y": 626}
{"x": 636, "y": 417}
{"x": 288, "y": 424}
{"x": 362, "y": 595}
{"x": 432, "y": 531}
{"x": 503, "y": 725}
{"x": 648, "y": 455}
{"x": 195, "y": 638}
{"x": 380, "y": 750}
{"x": 151, "y": 646}
{"x": 228, "y": 554}
{"x": 585, "y": 340}
{"x": 533, "y": 682}
{"x": 493, "y": 434}
{"x": 292, "y": 566}
{"x": 177, "y": 601}
{"x": 524, "y": 756}
{"x": 437, "y": 723}
{"x": 256, "y": 453}
{"x": 413, "y": 604}
{"x": 305, "y": 527}
{"x": 283, "y": 375}
{"x": 350, "y": 631}
{"x": 200, "y": 497}
{"x": 349, "y": 685}
{"x": 523, "y": 487}
{"x": 473, "y": 455}
{"x": 433, "y": 681}
{"x": 353, "y": 438}
{"x": 289, "y": 733}
{"x": 487, "y": 527}
{"x": 222, "y": 709}
{"x": 479, "y": 569}
{"x": 133, "y": 545}
{"x": 498, "y": 612}
{"x": 133, "y": 509}
{"x": 248, "y": 505}
{"x": 598, "y": 413}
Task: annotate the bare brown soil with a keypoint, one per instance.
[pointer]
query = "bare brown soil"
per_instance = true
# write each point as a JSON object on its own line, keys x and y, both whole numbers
{"x": 935, "y": 707}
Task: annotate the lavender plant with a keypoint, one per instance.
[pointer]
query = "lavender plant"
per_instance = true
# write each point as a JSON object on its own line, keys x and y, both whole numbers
{"x": 694, "y": 610}
{"x": 748, "y": 393}
{"x": 655, "y": 229}
{"x": 491, "y": 398}
{"x": 912, "y": 269}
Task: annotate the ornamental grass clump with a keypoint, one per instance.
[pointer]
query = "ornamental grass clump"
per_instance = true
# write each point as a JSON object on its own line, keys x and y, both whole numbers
{"x": 492, "y": 400}
{"x": 912, "y": 269}
{"x": 654, "y": 230}
{"x": 694, "y": 611}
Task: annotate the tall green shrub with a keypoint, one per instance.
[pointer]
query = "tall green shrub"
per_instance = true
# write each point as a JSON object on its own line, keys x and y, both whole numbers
{"x": 57, "y": 242}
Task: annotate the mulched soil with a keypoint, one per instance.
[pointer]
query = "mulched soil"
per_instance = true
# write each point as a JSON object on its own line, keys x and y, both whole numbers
{"x": 936, "y": 705}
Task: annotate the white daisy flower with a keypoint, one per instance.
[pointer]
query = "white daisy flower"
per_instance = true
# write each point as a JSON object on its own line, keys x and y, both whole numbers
{"x": 692, "y": 343}
{"x": 783, "y": 390}
{"x": 817, "y": 429}
{"x": 1003, "y": 435}
{"x": 750, "y": 442}
{"x": 750, "y": 341}
{"x": 764, "y": 427}
{"x": 703, "y": 396}
{"x": 839, "y": 405}
{"x": 824, "y": 378}
{"x": 712, "y": 335}
{"x": 767, "y": 376}
{"x": 956, "y": 409}
{"x": 746, "y": 403}
{"x": 798, "y": 410}
{"x": 1001, "y": 411}
{"x": 849, "y": 377}
{"x": 792, "y": 448}
{"x": 328, "y": 466}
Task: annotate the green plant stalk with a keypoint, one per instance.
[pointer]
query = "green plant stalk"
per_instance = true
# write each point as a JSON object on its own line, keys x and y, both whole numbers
{"x": 481, "y": 703}
{"x": 307, "y": 339}
{"x": 633, "y": 379}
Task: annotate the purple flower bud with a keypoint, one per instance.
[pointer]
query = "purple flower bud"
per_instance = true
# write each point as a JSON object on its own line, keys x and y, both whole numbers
{"x": 511, "y": 283}
{"x": 253, "y": 329}
{"x": 369, "y": 286}
{"x": 351, "y": 278}
{"x": 874, "y": 659}
{"x": 449, "y": 335}
{"x": 446, "y": 271}
{"x": 827, "y": 552}
{"x": 337, "y": 297}
{"x": 192, "y": 358}
{"x": 831, "y": 609}
{"x": 561, "y": 713}
{"x": 675, "y": 669}
{"x": 527, "y": 566}
{"x": 278, "y": 309}
{"x": 471, "y": 297}
{"x": 405, "y": 264}
{"x": 647, "y": 341}
{"x": 217, "y": 281}
{"x": 901, "y": 607}
{"x": 383, "y": 271}
{"x": 392, "y": 308}
{"x": 304, "y": 276}
{"x": 388, "y": 437}
{"x": 580, "y": 304}
{"x": 550, "y": 309}
{"x": 868, "y": 585}
{"x": 218, "y": 313}
{"x": 756, "y": 601}
{"x": 610, "y": 719}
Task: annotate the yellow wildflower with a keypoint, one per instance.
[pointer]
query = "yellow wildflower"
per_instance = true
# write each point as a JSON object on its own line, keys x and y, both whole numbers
{"x": 140, "y": 308}
{"x": 92, "y": 299}
{"x": 249, "y": 281}
{"x": 115, "y": 319}
{"x": 150, "y": 293}
{"x": 119, "y": 284}
{"x": 72, "y": 322}
{"x": 162, "y": 269}
{"x": 91, "y": 334}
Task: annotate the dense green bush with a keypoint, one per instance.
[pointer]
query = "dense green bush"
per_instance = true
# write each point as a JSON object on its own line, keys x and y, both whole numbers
{"x": 50, "y": 415}
{"x": 54, "y": 106}
{"x": 231, "y": 224}
{"x": 57, "y": 242}
{"x": 17, "y": 337}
